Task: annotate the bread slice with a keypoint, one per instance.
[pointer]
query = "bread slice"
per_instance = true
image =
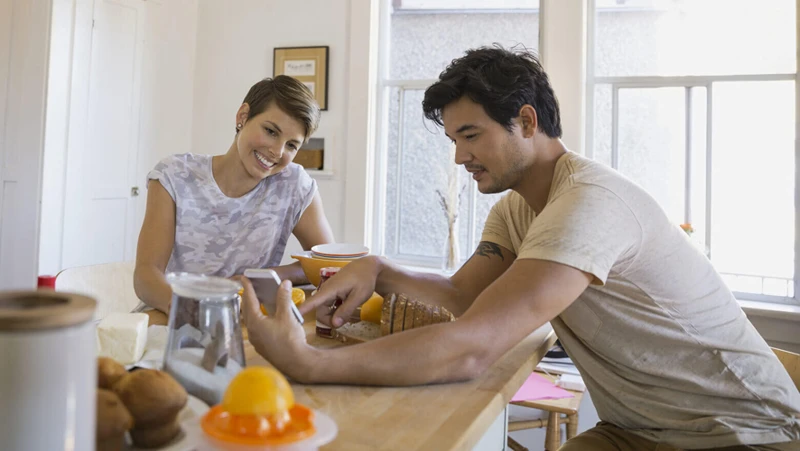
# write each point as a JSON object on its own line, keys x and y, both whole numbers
{"x": 447, "y": 315}
{"x": 386, "y": 314}
{"x": 428, "y": 320}
{"x": 399, "y": 314}
{"x": 420, "y": 315}
{"x": 411, "y": 307}
{"x": 352, "y": 333}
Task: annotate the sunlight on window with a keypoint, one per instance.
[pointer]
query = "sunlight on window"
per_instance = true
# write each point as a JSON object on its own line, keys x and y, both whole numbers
{"x": 697, "y": 37}
{"x": 752, "y": 124}
{"x": 752, "y": 227}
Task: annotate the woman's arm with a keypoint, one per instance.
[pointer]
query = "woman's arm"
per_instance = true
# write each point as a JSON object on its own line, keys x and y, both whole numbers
{"x": 312, "y": 229}
{"x": 156, "y": 240}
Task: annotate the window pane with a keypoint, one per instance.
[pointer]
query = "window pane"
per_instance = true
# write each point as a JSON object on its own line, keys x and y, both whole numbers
{"x": 423, "y": 44}
{"x": 392, "y": 151}
{"x": 696, "y": 37}
{"x": 753, "y": 186}
{"x": 601, "y": 139}
{"x": 698, "y": 189}
{"x": 652, "y": 144}
{"x": 418, "y": 166}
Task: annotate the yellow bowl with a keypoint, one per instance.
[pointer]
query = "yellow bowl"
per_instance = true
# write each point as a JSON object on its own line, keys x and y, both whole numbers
{"x": 312, "y": 265}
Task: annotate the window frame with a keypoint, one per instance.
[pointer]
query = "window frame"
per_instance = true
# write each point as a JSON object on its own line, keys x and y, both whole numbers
{"x": 688, "y": 82}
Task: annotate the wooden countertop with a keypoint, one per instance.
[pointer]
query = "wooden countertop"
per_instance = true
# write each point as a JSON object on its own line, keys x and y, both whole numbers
{"x": 430, "y": 417}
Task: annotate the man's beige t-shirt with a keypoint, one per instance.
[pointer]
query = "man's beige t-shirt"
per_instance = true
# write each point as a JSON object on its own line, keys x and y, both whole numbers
{"x": 663, "y": 346}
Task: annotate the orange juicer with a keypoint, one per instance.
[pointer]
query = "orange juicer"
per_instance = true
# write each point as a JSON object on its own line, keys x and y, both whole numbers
{"x": 258, "y": 411}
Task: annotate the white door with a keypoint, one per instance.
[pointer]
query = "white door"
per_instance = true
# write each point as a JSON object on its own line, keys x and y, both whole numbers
{"x": 99, "y": 206}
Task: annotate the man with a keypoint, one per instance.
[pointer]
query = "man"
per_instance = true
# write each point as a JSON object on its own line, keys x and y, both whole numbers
{"x": 666, "y": 351}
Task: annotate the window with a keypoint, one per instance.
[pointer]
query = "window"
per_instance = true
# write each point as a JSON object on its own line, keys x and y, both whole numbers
{"x": 420, "y": 38}
{"x": 695, "y": 101}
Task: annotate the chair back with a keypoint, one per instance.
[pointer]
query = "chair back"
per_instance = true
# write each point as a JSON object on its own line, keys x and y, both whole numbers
{"x": 110, "y": 284}
{"x": 791, "y": 362}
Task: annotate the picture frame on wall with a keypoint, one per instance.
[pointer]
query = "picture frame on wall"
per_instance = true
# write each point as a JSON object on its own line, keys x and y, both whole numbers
{"x": 307, "y": 64}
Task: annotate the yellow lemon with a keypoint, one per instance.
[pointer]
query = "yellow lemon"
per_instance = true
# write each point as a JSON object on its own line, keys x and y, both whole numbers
{"x": 258, "y": 390}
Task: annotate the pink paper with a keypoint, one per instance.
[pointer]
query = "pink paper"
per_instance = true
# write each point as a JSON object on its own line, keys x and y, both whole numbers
{"x": 537, "y": 387}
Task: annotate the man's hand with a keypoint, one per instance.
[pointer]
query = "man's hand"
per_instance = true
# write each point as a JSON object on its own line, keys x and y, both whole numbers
{"x": 354, "y": 283}
{"x": 280, "y": 340}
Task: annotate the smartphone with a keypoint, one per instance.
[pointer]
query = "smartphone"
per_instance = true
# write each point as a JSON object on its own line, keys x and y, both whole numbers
{"x": 265, "y": 283}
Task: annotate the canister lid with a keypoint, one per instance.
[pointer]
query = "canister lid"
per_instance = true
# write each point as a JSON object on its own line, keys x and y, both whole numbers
{"x": 202, "y": 287}
{"x": 43, "y": 309}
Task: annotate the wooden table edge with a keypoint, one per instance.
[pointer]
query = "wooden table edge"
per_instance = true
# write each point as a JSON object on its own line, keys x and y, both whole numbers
{"x": 499, "y": 401}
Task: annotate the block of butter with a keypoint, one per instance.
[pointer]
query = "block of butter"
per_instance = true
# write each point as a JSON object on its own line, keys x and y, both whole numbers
{"x": 122, "y": 336}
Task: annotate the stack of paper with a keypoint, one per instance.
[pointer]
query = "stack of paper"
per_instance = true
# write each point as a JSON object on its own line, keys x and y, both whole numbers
{"x": 537, "y": 387}
{"x": 557, "y": 368}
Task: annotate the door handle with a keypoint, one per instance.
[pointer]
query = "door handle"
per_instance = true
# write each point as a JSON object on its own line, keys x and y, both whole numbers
{"x": 134, "y": 191}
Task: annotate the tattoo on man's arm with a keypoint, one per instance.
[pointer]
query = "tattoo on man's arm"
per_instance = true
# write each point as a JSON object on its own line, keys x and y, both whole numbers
{"x": 487, "y": 249}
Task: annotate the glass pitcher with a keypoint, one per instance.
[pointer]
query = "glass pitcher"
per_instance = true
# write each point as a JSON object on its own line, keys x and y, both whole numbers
{"x": 205, "y": 348}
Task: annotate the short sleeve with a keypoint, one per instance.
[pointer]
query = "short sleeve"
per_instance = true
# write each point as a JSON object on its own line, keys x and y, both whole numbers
{"x": 588, "y": 228}
{"x": 497, "y": 229}
{"x": 164, "y": 172}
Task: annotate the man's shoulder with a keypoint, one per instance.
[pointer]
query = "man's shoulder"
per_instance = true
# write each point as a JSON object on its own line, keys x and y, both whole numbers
{"x": 511, "y": 202}
{"x": 592, "y": 175}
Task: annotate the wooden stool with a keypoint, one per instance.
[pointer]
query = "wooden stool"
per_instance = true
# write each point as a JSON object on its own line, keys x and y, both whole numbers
{"x": 556, "y": 408}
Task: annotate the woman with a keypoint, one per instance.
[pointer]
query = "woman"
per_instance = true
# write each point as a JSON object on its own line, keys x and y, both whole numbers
{"x": 221, "y": 215}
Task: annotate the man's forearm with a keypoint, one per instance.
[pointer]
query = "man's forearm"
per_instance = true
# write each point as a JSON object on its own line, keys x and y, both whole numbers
{"x": 152, "y": 288}
{"x": 433, "y": 354}
{"x": 429, "y": 288}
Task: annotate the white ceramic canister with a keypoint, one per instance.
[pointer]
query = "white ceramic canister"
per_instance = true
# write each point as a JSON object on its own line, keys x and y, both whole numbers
{"x": 48, "y": 378}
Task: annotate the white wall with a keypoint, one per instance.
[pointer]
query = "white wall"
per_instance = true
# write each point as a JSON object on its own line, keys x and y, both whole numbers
{"x": 24, "y": 41}
{"x": 235, "y": 42}
{"x": 55, "y": 139}
{"x": 167, "y": 87}
{"x": 166, "y": 102}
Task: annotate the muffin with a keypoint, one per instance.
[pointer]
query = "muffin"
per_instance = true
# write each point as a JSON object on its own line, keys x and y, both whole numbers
{"x": 113, "y": 420}
{"x": 154, "y": 399}
{"x": 109, "y": 371}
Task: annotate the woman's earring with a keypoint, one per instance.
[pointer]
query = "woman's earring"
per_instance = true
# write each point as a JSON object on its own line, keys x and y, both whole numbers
{"x": 238, "y": 127}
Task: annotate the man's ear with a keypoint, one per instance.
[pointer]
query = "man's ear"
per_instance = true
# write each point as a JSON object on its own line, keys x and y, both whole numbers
{"x": 528, "y": 121}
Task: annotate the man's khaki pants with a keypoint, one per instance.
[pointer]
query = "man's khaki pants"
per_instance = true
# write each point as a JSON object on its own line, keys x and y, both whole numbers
{"x": 607, "y": 437}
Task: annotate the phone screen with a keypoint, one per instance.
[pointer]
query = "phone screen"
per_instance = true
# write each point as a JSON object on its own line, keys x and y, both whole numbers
{"x": 265, "y": 284}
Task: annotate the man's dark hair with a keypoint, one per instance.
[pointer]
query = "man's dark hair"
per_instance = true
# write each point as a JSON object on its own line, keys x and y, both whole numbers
{"x": 500, "y": 80}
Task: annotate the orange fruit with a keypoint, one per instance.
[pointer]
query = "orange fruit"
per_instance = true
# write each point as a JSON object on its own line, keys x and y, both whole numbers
{"x": 298, "y": 297}
{"x": 258, "y": 390}
{"x": 371, "y": 310}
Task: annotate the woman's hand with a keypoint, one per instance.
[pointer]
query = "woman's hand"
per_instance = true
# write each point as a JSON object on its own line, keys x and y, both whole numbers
{"x": 354, "y": 283}
{"x": 280, "y": 340}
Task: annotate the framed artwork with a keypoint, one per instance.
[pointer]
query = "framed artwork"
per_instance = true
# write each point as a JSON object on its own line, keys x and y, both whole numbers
{"x": 307, "y": 64}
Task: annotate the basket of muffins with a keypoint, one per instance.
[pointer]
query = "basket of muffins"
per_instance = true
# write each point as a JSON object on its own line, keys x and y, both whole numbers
{"x": 147, "y": 409}
{"x": 138, "y": 408}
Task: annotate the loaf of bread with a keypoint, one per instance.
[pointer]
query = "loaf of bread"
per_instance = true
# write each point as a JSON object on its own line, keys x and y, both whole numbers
{"x": 399, "y": 313}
